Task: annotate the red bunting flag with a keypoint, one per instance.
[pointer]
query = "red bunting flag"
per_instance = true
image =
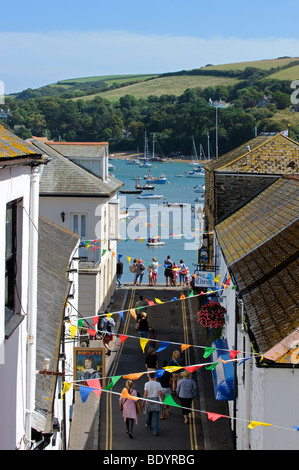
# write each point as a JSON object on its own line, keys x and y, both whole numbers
{"x": 122, "y": 338}
{"x": 233, "y": 354}
{"x": 91, "y": 332}
{"x": 150, "y": 302}
{"x": 192, "y": 368}
{"x": 214, "y": 416}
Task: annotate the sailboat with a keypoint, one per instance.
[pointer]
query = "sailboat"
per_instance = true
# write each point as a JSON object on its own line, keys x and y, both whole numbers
{"x": 198, "y": 171}
{"x": 145, "y": 186}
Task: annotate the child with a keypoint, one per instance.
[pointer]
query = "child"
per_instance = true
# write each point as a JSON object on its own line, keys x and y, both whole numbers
{"x": 150, "y": 276}
{"x": 174, "y": 274}
{"x": 187, "y": 277}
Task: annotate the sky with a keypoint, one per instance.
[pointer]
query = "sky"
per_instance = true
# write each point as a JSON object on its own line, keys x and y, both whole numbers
{"x": 42, "y": 42}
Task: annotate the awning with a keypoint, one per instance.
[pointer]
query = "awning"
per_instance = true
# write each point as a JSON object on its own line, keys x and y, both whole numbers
{"x": 223, "y": 374}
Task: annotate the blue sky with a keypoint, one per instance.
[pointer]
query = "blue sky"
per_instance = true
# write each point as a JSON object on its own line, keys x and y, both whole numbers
{"x": 42, "y": 42}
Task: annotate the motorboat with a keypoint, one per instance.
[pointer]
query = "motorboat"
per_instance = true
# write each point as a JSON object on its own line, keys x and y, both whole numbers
{"x": 154, "y": 242}
{"x": 196, "y": 173}
{"x": 151, "y": 196}
{"x": 199, "y": 188}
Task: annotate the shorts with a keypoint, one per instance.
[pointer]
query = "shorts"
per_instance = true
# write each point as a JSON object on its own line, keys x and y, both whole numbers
{"x": 107, "y": 338}
{"x": 154, "y": 276}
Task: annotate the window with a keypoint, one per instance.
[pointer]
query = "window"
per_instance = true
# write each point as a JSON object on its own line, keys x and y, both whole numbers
{"x": 79, "y": 226}
{"x": 10, "y": 255}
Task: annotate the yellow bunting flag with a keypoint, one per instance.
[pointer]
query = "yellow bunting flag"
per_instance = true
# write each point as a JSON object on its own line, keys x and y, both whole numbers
{"x": 172, "y": 368}
{"x": 143, "y": 342}
{"x": 129, "y": 259}
{"x": 141, "y": 240}
{"x": 73, "y": 330}
{"x": 217, "y": 278}
{"x": 66, "y": 388}
{"x": 159, "y": 301}
{"x": 133, "y": 313}
{"x": 256, "y": 423}
{"x": 108, "y": 315}
{"x": 185, "y": 346}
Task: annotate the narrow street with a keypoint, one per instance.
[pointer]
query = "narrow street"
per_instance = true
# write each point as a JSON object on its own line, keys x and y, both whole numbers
{"x": 172, "y": 324}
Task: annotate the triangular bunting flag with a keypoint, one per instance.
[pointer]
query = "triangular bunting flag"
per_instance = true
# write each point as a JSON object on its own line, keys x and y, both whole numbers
{"x": 168, "y": 400}
{"x": 185, "y": 346}
{"x": 121, "y": 314}
{"x": 122, "y": 338}
{"x": 233, "y": 354}
{"x": 133, "y": 313}
{"x": 95, "y": 384}
{"x": 158, "y": 301}
{"x": 143, "y": 342}
{"x": 163, "y": 345}
{"x": 192, "y": 368}
{"x": 212, "y": 366}
{"x": 208, "y": 351}
{"x": 113, "y": 382}
{"x": 91, "y": 332}
{"x": 214, "y": 416}
{"x": 84, "y": 392}
{"x": 66, "y": 388}
{"x": 256, "y": 423}
{"x": 133, "y": 376}
{"x": 73, "y": 331}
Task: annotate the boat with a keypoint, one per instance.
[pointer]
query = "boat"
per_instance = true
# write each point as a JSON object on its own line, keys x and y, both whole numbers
{"x": 162, "y": 179}
{"x": 199, "y": 188}
{"x": 130, "y": 191}
{"x": 145, "y": 186}
{"x": 153, "y": 242}
{"x": 176, "y": 204}
{"x": 151, "y": 196}
{"x": 198, "y": 171}
{"x": 111, "y": 167}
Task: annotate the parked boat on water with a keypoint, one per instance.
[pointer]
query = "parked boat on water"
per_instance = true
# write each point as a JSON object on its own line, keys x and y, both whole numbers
{"x": 154, "y": 242}
{"x": 151, "y": 196}
{"x": 199, "y": 188}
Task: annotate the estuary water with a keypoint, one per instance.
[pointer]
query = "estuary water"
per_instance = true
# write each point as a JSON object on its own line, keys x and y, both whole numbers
{"x": 179, "y": 227}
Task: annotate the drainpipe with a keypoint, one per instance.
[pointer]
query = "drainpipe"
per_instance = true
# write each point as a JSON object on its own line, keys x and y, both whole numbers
{"x": 32, "y": 300}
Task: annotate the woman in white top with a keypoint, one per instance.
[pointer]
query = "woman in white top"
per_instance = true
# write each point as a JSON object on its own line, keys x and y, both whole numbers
{"x": 154, "y": 267}
{"x": 153, "y": 391}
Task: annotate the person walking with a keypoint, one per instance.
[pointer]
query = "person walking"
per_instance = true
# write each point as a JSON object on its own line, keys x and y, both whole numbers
{"x": 143, "y": 326}
{"x": 106, "y": 328}
{"x": 152, "y": 391}
{"x": 119, "y": 272}
{"x": 151, "y": 360}
{"x": 168, "y": 270}
{"x": 185, "y": 389}
{"x": 128, "y": 407}
{"x": 182, "y": 272}
{"x": 140, "y": 303}
{"x": 166, "y": 384}
{"x": 176, "y": 360}
{"x": 154, "y": 266}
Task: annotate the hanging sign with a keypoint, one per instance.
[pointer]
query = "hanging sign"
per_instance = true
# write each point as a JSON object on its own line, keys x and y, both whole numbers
{"x": 204, "y": 279}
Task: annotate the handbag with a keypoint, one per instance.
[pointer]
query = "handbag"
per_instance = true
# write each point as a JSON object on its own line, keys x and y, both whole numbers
{"x": 139, "y": 407}
{"x": 121, "y": 405}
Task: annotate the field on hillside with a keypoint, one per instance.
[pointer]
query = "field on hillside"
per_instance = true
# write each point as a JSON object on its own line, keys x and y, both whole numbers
{"x": 175, "y": 85}
{"x": 108, "y": 79}
{"x": 261, "y": 64}
{"x": 287, "y": 74}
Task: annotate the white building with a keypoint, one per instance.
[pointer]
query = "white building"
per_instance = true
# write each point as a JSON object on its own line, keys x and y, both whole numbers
{"x": 77, "y": 193}
{"x": 258, "y": 247}
{"x": 57, "y": 312}
{"x": 20, "y": 165}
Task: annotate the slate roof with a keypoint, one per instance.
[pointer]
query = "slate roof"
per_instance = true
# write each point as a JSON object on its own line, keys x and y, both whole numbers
{"x": 56, "y": 246}
{"x": 62, "y": 177}
{"x": 266, "y": 155}
{"x": 12, "y": 147}
{"x": 79, "y": 149}
{"x": 260, "y": 244}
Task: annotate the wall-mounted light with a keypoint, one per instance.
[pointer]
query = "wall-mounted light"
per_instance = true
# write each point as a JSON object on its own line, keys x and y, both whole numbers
{"x": 62, "y": 214}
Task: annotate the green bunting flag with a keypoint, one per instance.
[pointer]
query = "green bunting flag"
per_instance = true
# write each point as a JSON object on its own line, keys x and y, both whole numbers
{"x": 212, "y": 366}
{"x": 208, "y": 351}
{"x": 168, "y": 400}
{"x": 113, "y": 381}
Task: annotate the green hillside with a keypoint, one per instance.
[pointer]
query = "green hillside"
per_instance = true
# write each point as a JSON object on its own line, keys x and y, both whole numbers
{"x": 175, "y": 85}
